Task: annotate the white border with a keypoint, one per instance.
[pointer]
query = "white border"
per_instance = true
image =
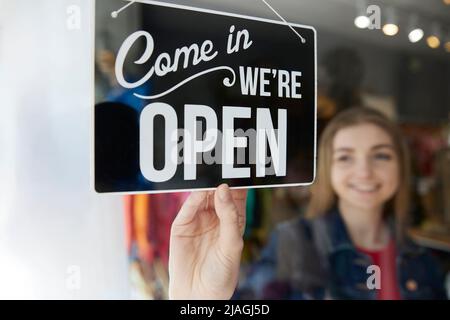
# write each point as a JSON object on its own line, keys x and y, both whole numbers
{"x": 92, "y": 98}
{"x": 172, "y": 5}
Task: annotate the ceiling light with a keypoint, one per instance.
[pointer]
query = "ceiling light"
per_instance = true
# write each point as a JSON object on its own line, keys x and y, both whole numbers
{"x": 415, "y": 33}
{"x": 447, "y": 46}
{"x": 390, "y": 28}
{"x": 433, "y": 40}
{"x": 447, "y": 42}
{"x": 361, "y": 21}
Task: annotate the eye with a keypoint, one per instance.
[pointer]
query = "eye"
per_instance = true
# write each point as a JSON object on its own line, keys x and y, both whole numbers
{"x": 383, "y": 156}
{"x": 343, "y": 158}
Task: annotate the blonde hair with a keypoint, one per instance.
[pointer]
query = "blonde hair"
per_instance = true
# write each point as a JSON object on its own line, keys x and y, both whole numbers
{"x": 323, "y": 197}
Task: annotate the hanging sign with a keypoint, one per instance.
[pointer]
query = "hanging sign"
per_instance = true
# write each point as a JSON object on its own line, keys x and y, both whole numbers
{"x": 189, "y": 98}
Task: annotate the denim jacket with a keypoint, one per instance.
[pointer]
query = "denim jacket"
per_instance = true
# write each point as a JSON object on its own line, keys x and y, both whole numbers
{"x": 315, "y": 259}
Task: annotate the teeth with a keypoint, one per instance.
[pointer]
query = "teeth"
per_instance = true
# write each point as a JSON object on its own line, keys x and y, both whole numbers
{"x": 365, "y": 188}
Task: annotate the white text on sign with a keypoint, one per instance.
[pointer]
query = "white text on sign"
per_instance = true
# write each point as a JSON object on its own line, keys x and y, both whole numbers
{"x": 266, "y": 134}
{"x": 287, "y": 82}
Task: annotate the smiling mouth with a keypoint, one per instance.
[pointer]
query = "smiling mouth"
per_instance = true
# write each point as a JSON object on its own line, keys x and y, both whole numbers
{"x": 365, "y": 188}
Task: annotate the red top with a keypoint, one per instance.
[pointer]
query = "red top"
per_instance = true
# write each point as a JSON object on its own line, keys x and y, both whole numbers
{"x": 385, "y": 259}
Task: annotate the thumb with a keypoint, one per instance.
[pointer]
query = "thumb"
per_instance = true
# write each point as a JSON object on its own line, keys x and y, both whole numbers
{"x": 228, "y": 214}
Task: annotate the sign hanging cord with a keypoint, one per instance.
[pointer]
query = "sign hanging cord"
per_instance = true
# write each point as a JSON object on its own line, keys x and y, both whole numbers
{"x": 114, "y": 14}
{"x": 279, "y": 16}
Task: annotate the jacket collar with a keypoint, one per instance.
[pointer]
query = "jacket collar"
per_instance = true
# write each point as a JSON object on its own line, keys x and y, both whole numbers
{"x": 337, "y": 238}
{"x": 334, "y": 231}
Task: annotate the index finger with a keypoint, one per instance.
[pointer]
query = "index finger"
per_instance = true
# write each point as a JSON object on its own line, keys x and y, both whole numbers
{"x": 190, "y": 207}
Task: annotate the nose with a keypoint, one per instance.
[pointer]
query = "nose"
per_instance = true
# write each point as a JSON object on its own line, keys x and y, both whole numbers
{"x": 364, "y": 168}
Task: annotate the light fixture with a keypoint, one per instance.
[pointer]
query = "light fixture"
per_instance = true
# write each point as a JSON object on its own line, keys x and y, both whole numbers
{"x": 447, "y": 2}
{"x": 414, "y": 32}
{"x": 447, "y": 42}
{"x": 415, "y": 35}
{"x": 361, "y": 21}
{"x": 390, "y": 28}
{"x": 447, "y": 46}
{"x": 433, "y": 40}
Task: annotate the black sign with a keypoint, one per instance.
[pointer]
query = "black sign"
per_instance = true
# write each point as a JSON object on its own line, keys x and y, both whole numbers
{"x": 190, "y": 98}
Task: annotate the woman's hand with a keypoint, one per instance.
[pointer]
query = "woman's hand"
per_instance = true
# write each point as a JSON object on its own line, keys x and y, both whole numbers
{"x": 206, "y": 245}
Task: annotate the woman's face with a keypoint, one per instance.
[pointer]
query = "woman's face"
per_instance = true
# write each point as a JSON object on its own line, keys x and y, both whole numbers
{"x": 365, "y": 169}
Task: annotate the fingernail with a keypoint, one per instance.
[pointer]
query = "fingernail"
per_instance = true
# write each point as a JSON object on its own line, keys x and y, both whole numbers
{"x": 224, "y": 192}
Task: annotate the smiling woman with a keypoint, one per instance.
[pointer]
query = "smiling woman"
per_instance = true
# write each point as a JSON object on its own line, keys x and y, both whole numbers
{"x": 364, "y": 169}
{"x": 360, "y": 141}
